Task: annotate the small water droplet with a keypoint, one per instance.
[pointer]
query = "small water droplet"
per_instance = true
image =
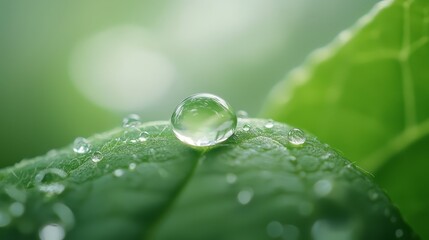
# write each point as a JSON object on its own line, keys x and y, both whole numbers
{"x": 203, "y": 120}
{"x": 275, "y": 229}
{"x": 246, "y": 127}
{"x": 231, "y": 178}
{"x": 97, "y": 156}
{"x": 52, "y": 231}
{"x": 81, "y": 145}
{"x": 322, "y": 187}
{"x": 296, "y": 136}
{"x": 245, "y": 196}
{"x": 48, "y": 181}
{"x": 326, "y": 156}
{"x": 118, "y": 173}
{"x": 373, "y": 195}
{"x": 16, "y": 209}
{"x": 269, "y": 124}
{"x": 132, "y": 120}
{"x": 144, "y": 136}
{"x": 132, "y": 134}
{"x": 399, "y": 233}
{"x": 5, "y": 219}
{"x": 132, "y": 166}
{"x": 65, "y": 214}
{"x": 242, "y": 114}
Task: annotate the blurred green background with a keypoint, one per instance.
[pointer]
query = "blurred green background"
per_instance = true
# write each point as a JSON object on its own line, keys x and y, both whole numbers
{"x": 75, "y": 68}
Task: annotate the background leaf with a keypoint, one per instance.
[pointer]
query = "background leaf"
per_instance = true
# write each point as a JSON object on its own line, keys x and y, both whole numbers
{"x": 256, "y": 185}
{"x": 367, "y": 94}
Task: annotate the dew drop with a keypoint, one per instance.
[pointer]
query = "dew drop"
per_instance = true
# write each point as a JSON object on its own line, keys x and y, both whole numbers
{"x": 81, "y": 145}
{"x": 16, "y": 209}
{"x": 245, "y": 196}
{"x": 296, "y": 136}
{"x": 48, "y": 181}
{"x": 132, "y": 166}
{"x": 52, "y": 231}
{"x": 203, "y": 120}
{"x": 399, "y": 233}
{"x": 144, "y": 136}
{"x": 5, "y": 219}
{"x": 231, "y": 178}
{"x": 97, "y": 156}
{"x": 118, "y": 173}
{"x": 274, "y": 229}
{"x": 246, "y": 127}
{"x": 132, "y": 134}
{"x": 132, "y": 120}
{"x": 269, "y": 124}
{"x": 242, "y": 114}
{"x": 322, "y": 187}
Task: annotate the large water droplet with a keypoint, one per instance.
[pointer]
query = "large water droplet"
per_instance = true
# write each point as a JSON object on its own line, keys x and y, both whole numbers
{"x": 132, "y": 120}
{"x": 48, "y": 181}
{"x": 275, "y": 229}
{"x": 203, "y": 120}
{"x": 245, "y": 196}
{"x": 97, "y": 156}
{"x": 16, "y": 209}
{"x": 81, "y": 145}
{"x": 296, "y": 136}
{"x": 52, "y": 231}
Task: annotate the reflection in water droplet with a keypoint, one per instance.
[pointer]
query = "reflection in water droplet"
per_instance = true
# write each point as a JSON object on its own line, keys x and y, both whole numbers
{"x": 118, "y": 173}
{"x": 48, "y": 181}
{"x": 231, "y": 178}
{"x": 97, "y": 156}
{"x": 132, "y": 120}
{"x": 81, "y": 145}
{"x": 269, "y": 124}
{"x": 246, "y": 127}
{"x": 245, "y": 196}
{"x": 132, "y": 166}
{"x": 242, "y": 114}
{"x": 16, "y": 209}
{"x": 52, "y": 231}
{"x": 296, "y": 136}
{"x": 274, "y": 229}
{"x": 203, "y": 120}
{"x": 5, "y": 219}
{"x": 399, "y": 233}
{"x": 322, "y": 187}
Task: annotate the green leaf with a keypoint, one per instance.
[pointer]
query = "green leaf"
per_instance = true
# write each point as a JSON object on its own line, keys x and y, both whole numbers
{"x": 254, "y": 185}
{"x": 367, "y": 94}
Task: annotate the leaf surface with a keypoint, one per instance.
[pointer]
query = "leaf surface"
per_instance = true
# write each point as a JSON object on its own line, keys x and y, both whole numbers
{"x": 256, "y": 185}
